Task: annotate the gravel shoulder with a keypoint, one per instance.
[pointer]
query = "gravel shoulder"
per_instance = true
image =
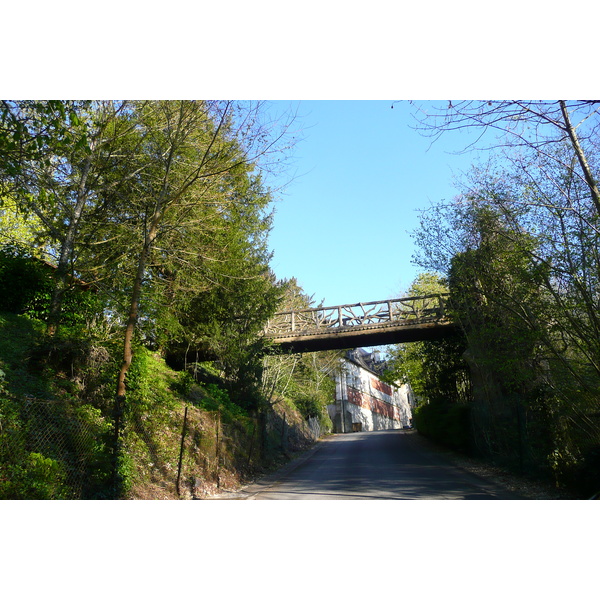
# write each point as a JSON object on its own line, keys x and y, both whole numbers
{"x": 527, "y": 487}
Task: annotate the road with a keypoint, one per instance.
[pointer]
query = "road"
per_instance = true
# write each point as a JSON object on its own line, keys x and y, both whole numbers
{"x": 376, "y": 465}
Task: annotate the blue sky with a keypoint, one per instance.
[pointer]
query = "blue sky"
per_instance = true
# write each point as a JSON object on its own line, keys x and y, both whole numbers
{"x": 342, "y": 227}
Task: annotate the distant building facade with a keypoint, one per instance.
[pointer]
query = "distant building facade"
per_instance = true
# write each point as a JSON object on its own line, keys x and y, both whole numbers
{"x": 365, "y": 403}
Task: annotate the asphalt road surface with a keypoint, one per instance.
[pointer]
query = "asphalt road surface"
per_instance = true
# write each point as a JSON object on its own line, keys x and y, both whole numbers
{"x": 375, "y": 465}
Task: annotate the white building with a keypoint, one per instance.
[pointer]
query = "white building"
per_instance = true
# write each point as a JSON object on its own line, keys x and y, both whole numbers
{"x": 365, "y": 403}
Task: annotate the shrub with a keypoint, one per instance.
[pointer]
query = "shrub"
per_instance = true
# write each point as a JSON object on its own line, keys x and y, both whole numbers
{"x": 447, "y": 424}
{"x": 36, "y": 478}
{"x": 211, "y": 397}
{"x": 309, "y": 405}
{"x": 25, "y": 283}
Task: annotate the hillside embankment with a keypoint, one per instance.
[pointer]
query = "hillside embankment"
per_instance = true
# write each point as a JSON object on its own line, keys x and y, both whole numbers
{"x": 180, "y": 437}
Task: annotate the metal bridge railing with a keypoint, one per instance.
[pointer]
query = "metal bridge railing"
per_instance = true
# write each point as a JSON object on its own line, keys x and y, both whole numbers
{"x": 430, "y": 307}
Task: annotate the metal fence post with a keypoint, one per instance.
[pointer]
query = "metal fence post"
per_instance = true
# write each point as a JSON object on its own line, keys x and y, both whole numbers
{"x": 283, "y": 434}
{"x": 117, "y": 445}
{"x": 181, "y": 449}
{"x": 251, "y": 446}
{"x": 262, "y": 432}
{"x": 218, "y": 449}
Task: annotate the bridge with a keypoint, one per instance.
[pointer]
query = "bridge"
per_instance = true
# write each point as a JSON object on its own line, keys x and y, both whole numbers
{"x": 365, "y": 324}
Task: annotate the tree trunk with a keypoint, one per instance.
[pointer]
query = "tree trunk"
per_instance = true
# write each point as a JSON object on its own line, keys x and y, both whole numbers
{"x": 120, "y": 397}
{"x": 587, "y": 173}
{"x": 134, "y": 310}
{"x": 62, "y": 271}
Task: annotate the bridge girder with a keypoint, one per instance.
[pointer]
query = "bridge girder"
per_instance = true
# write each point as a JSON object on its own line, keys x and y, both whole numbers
{"x": 365, "y": 324}
{"x": 357, "y": 337}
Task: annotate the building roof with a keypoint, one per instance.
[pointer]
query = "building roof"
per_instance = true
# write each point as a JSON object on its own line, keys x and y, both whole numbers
{"x": 367, "y": 360}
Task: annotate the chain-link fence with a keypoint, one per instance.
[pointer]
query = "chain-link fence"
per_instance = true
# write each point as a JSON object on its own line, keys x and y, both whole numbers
{"x": 59, "y": 449}
{"x": 53, "y": 449}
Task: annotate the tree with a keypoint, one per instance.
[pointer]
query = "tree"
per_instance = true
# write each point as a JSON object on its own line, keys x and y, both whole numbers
{"x": 307, "y": 380}
{"x": 16, "y": 230}
{"x": 61, "y": 167}
{"x": 225, "y": 320}
{"x": 437, "y": 374}
{"x": 544, "y": 182}
{"x": 169, "y": 219}
{"x": 434, "y": 369}
{"x": 28, "y": 129}
{"x": 156, "y": 179}
{"x": 519, "y": 248}
{"x": 522, "y": 271}
{"x": 528, "y": 127}
{"x": 162, "y": 206}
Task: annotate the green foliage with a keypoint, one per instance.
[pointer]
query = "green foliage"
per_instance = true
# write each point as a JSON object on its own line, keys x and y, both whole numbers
{"x": 211, "y": 397}
{"x": 305, "y": 381}
{"x": 438, "y": 375}
{"x": 125, "y": 474}
{"x": 311, "y": 405}
{"x": 436, "y": 370}
{"x": 22, "y": 231}
{"x": 56, "y": 407}
{"x": 445, "y": 423}
{"x": 158, "y": 205}
{"x": 139, "y": 384}
{"x": 33, "y": 131}
{"x": 53, "y": 449}
{"x": 226, "y": 319}
{"x": 36, "y": 478}
{"x": 81, "y": 306}
{"x": 183, "y": 384}
{"x": 25, "y": 283}
{"x": 495, "y": 295}
{"x": 312, "y": 387}
{"x": 428, "y": 283}
{"x": 93, "y": 439}
{"x": 440, "y": 379}
{"x": 521, "y": 264}
{"x": 45, "y": 410}
{"x": 149, "y": 383}
{"x": 18, "y": 334}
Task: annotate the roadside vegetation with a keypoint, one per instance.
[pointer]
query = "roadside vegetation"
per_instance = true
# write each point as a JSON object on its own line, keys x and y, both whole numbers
{"x": 134, "y": 286}
{"x": 518, "y": 250}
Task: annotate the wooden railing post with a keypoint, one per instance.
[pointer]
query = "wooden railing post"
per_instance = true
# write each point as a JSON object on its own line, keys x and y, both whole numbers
{"x": 441, "y": 307}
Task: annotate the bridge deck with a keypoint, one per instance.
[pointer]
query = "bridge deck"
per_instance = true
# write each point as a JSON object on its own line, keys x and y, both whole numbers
{"x": 359, "y": 337}
{"x": 361, "y": 325}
